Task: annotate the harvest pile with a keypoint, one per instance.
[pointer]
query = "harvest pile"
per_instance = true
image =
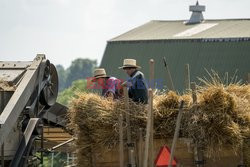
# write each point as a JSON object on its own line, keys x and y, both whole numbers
{"x": 221, "y": 117}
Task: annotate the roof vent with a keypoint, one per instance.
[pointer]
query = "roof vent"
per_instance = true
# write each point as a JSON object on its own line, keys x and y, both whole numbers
{"x": 197, "y": 16}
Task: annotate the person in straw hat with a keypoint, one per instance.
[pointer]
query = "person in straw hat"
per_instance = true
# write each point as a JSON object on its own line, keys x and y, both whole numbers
{"x": 137, "y": 86}
{"x": 110, "y": 85}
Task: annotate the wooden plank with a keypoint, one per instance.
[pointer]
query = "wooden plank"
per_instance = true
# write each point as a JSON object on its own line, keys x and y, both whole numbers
{"x": 50, "y": 130}
{"x": 51, "y": 135}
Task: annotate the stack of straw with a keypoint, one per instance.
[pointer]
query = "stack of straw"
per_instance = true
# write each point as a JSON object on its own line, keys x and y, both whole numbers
{"x": 220, "y": 118}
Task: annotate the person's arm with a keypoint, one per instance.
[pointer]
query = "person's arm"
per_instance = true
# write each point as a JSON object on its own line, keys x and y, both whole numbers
{"x": 110, "y": 95}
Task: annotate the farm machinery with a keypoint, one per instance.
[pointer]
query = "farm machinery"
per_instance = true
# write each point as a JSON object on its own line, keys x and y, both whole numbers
{"x": 28, "y": 91}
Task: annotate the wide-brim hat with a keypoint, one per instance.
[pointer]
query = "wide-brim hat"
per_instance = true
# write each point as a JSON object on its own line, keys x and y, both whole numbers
{"x": 128, "y": 63}
{"x": 100, "y": 73}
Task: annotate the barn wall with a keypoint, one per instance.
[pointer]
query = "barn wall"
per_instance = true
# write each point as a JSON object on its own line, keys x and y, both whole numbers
{"x": 220, "y": 56}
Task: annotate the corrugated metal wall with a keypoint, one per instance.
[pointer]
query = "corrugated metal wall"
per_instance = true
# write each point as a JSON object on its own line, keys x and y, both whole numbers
{"x": 220, "y": 56}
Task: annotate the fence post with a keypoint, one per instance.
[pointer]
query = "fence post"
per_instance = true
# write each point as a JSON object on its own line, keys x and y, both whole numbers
{"x": 148, "y": 128}
{"x": 198, "y": 153}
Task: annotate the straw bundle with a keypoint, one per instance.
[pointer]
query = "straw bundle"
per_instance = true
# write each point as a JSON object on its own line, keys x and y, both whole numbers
{"x": 166, "y": 112}
{"x": 220, "y": 118}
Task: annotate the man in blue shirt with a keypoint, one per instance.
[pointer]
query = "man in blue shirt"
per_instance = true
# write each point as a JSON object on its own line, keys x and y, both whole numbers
{"x": 137, "y": 86}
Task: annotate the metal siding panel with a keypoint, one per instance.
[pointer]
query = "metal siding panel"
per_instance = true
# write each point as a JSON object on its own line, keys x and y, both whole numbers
{"x": 220, "y": 56}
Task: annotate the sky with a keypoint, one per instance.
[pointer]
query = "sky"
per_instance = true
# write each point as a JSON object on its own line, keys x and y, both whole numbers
{"x": 64, "y": 30}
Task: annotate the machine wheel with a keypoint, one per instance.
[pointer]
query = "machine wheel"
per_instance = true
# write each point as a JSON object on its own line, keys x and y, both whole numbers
{"x": 50, "y": 91}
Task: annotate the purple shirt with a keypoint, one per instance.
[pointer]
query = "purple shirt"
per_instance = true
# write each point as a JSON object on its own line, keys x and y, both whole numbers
{"x": 112, "y": 85}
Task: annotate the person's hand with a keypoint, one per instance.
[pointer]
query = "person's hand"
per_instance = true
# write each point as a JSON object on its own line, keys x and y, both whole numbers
{"x": 126, "y": 84}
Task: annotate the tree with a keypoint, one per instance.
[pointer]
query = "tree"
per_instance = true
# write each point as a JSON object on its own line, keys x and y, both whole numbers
{"x": 80, "y": 69}
{"x": 66, "y": 95}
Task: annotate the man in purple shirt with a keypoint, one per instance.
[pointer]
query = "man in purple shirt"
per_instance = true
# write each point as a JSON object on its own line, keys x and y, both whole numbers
{"x": 111, "y": 86}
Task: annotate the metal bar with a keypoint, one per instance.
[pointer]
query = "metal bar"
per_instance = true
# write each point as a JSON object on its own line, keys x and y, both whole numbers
{"x": 121, "y": 150}
{"x": 26, "y": 154}
{"x": 2, "y": 155}
{"x": 148, "y": 128}
{"x": 42, "y": 148}
{"x": 24, "y": 142}
{"x": 187, "y": 77}
{"x": 170, "y": 83}
{"x": 19, "y": 99}
{"x": 176, "y": 133}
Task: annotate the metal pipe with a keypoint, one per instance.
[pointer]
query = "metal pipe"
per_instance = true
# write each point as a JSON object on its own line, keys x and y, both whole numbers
{"x": 42, "y": 148}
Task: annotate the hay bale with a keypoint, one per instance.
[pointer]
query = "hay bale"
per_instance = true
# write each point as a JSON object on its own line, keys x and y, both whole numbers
{"x": 212, "y": 124}
{"x": 219, "y": 119}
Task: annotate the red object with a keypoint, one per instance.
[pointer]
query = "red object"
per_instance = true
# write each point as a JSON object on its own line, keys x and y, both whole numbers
{"x": 163, "y": 158}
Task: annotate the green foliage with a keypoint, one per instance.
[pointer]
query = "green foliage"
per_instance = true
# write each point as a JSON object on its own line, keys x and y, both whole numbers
{"x": 59, "y": 159}
{"x": 66, "y": 95}
{"x": 79, "y": 69}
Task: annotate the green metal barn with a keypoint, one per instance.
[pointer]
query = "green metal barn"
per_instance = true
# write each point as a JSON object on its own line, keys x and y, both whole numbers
{"x": 221, "y": 45}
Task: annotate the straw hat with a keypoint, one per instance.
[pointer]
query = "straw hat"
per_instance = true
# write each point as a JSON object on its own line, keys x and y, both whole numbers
{"x": 100, "y": 73}
{"x": 129, "y": 63}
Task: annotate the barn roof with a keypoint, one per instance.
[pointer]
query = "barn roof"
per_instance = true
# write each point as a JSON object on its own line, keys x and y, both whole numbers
{"x": 172, "y": 30}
